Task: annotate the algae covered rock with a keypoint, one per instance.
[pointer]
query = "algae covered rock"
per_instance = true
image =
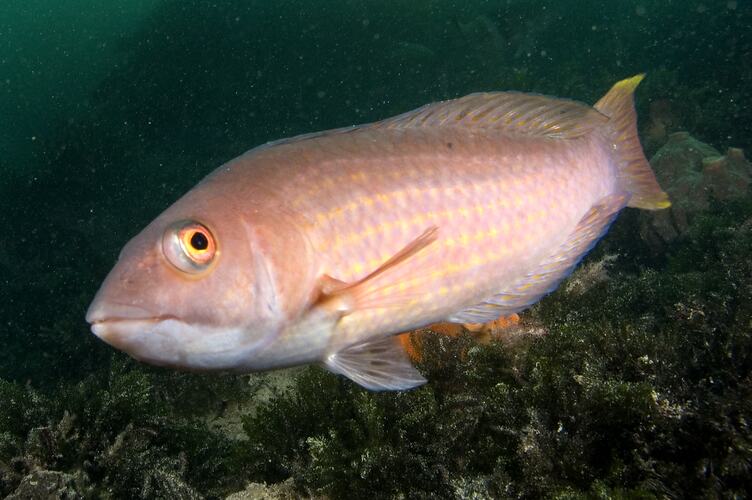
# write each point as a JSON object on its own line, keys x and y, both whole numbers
{"x": 261, "y": 491}
{"x": 695, "y": 175}
{"x": 126, "y": 433}
{"x": 728, "y": 176}
{"x": 46, "y": 485}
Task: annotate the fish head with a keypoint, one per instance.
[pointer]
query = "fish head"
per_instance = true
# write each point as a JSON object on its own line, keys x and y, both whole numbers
{"x": 193, "y": 290}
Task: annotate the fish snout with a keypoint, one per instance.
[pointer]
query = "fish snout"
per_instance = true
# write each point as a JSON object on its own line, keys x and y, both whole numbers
{"x": 107, "y": 318}
{"x": 125, "y": 327}
{"x": 102, "y": 310}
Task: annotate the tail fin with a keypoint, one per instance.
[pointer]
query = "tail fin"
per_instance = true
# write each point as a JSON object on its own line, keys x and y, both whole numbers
{"x": 634, "y": 170}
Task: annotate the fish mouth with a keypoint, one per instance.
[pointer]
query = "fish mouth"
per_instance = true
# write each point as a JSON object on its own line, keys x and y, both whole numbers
{"x": 147, "y": 338}
{"x": 103, "y": 311}
{"x": 119, "y": 319}
{"x": 169, "y": 340}
{"x": 109, "y": 327}
{"x": 121, "y": 333}
{"x": 122, "y": 325}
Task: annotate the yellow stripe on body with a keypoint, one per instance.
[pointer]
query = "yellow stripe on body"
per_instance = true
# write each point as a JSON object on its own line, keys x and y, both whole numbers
{"x": 506, "y": 236}
{"x": 417, "y": 221}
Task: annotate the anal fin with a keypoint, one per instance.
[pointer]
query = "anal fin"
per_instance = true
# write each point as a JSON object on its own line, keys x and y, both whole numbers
{"x": 379, "y": 365}
{"x": 552, "y": 270}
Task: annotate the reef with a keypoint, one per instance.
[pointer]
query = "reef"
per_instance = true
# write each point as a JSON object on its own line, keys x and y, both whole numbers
{"x": 260, "y": 491}
{"x": 122, "y": 434}
{"x": 695, "y": 175}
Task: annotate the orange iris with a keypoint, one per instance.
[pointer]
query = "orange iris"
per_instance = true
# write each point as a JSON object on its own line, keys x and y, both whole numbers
{"x": 197, "y": 243}
{"x": 189, "y": 246}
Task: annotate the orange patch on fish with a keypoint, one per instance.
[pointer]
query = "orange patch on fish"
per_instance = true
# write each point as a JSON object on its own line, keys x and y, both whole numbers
{"x": 481, "y": 332}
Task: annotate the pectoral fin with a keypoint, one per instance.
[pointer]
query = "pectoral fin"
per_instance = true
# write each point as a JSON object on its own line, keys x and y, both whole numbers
{"x": 377, "y": 289}
{"x": 381, "y": 365}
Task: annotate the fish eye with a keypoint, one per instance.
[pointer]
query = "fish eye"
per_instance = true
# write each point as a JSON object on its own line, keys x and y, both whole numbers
{"x": 189, "y": 246}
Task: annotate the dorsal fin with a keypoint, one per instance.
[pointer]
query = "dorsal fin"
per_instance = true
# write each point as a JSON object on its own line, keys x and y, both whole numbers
{"x": 514, "y": 113}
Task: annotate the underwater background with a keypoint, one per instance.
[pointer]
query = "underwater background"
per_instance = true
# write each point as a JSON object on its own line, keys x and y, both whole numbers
{"x": 633, "y": 380}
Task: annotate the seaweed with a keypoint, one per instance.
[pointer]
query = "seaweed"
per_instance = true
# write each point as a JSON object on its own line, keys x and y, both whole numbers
{"x": 117, "y": 434}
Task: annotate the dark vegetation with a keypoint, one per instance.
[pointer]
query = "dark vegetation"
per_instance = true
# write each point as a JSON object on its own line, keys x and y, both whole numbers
{"x": 127, "y": 434}
{"x": 641, "y": 388}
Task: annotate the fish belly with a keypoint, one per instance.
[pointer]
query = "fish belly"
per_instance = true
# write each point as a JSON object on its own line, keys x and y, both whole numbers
{"x": 501, "y": 205}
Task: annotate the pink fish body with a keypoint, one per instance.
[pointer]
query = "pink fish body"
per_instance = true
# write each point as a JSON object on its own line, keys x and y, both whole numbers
{"x": 320, "y": 248}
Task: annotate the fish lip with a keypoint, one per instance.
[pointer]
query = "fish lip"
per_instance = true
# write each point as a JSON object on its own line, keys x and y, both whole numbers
{"x": 115, "y": 329}
{"x": 135, "y": 336}
{"x": 132, "y": 319}
{"x": 103, "y": 310}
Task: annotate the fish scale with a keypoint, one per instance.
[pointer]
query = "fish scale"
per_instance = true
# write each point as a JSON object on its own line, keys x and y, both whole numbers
{"x": 532, "y": 193}
{"x": 322, "y": 247}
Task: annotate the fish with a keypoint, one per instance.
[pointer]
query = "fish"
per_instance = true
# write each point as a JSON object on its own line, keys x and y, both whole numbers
{"x": 323, "y": 248}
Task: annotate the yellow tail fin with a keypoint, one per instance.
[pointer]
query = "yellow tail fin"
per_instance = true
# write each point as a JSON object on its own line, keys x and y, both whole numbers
{"x": 634, "y": 170}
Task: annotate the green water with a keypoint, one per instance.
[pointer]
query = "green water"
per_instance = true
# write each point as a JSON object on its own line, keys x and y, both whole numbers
{"x": 110, "y": 111}
{"x": 54, "y": 56}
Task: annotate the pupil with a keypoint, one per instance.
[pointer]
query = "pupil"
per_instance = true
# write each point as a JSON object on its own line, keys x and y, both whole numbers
{"x": 199, "y": 241}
